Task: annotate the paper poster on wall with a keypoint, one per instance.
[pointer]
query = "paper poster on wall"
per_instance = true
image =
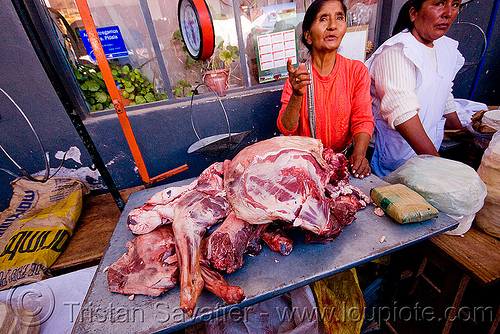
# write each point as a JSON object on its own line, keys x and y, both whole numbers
{"x": 272, "y": 51}
{"x": 275, "y": 40}
{"x": 353, "y": 45}
{"x": 111, "y": 40}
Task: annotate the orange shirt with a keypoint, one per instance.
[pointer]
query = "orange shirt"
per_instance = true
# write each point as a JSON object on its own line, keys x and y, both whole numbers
{"x": 342, "y": 101}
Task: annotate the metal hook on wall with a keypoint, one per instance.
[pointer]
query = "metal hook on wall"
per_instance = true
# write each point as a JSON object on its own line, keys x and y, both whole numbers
{"x": 45, "y": 158}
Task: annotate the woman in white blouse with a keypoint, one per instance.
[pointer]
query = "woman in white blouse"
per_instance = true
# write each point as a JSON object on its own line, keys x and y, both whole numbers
{"x": 412, "y": 77}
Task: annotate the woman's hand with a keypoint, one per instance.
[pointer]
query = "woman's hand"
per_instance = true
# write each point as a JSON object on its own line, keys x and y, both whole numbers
{"x": 358, "y": 163}
{"x": 453, "y": 122}
{"x": 299, "y": 78}
{"x": 359, "y": 166}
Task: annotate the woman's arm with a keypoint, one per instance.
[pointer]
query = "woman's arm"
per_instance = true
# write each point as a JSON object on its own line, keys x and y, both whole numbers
{"x": 359, "y": 165}
{"x": 394, "y": 77}
{"x": 291, "y": 114}
{"x": 452, "y": 121}
{"x": 414, "y": 133}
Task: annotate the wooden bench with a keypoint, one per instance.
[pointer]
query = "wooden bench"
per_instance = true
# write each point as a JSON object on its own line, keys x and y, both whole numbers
{"x": 92, "y": 232}
{"x": 475, "y": 256}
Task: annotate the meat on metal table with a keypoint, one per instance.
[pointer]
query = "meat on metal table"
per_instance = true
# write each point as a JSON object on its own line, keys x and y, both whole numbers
{"x": 261, "y": 277}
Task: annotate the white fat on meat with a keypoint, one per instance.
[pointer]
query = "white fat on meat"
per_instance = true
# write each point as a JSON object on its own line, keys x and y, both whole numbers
{"x": 282, "y": 178}
{"x": 161, "y": 208}
{"x": 168, "y": 195}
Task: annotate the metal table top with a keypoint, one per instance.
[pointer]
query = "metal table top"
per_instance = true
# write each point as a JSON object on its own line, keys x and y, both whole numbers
{"x": 261, "y": 277}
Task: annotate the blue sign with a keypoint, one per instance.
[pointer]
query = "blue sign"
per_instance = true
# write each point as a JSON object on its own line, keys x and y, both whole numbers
{"x": 111, "y": 41}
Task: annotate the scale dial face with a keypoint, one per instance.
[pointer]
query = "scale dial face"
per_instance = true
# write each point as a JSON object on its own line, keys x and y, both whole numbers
{"x": 196, "y": 28}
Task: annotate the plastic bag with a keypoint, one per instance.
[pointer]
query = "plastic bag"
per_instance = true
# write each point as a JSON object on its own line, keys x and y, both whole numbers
{"x": 36, "y": 227}
{"x": 466, "y": 108}
{"x": 450, "y": 186}
{"x": 18, "y": 320}
{"x": 340, "y": 302}
{"x": 488, "y": 218}
{"x": 294, "y": 312}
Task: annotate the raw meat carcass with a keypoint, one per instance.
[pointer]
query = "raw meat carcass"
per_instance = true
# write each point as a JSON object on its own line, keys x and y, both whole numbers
{"x": 149, "y": 267}
{"x": 192, "y": 210}
{"x": 272, "y": 179}
{"x": 278, "y": 241}
{"x": 215, "y": 283}
{"x": 284, "y": 178}
{"x": 160, "y": 208}
{"x": 224, "y": 248}
{"x": 291, "y": 181}
{"x": 195, "y": 213}
{"x": 346, "y": 200}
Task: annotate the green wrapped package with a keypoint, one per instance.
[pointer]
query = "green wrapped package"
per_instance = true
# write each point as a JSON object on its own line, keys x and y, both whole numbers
{"x": 403, "y": 204}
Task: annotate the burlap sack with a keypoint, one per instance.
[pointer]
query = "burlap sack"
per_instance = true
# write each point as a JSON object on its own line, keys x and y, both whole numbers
{"x": 36, "y": 227}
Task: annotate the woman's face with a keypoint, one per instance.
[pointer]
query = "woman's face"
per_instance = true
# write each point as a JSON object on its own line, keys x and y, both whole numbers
{"x": 328, "y": 28}
{"x": 433, "y": 20}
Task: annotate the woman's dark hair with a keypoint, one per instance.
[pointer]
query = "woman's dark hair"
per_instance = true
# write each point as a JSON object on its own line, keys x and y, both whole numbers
{"x": 403, "y": 21}
{"x": 310, "y": 16}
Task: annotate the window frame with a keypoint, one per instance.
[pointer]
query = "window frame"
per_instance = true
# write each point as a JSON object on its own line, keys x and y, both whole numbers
{"x": 79, "y": 100}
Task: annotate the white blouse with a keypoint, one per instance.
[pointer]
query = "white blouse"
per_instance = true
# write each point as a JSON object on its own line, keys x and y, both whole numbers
{"x": 396, "y": 77}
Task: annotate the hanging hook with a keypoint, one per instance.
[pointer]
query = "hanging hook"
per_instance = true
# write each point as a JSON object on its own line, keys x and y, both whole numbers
{"x": 46, "y": 160}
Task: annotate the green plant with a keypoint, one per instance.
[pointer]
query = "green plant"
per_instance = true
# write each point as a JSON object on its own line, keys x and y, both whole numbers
{"x": 223, "y": 56}
{"x": 180, "y": 90}
{"x": 93, "y": 87}
{"x": 137, "y": 87}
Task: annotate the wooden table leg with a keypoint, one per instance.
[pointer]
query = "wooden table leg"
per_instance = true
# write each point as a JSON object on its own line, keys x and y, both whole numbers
{"x": 417, "y": 276}
{"x": 495, "y": 322}
{"x": 456, "y": 303}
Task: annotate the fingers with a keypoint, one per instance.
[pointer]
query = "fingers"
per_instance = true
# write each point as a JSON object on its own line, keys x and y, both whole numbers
{"x": 302, "y": 80}
{"x": 299, "y": 77}
{"x": 289, "y": 66}
{"x": 363, "y": 171}
{"x": 302, "y": 76}
{"x": 300, "y": 70}
{"x": 359, "y": 166}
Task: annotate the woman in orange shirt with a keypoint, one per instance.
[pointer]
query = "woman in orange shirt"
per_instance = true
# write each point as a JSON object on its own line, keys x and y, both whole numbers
{"x": 342, "y": 102}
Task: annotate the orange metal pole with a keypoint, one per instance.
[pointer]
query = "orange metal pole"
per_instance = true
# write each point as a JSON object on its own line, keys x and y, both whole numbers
{"x": 102, "y": 61}
{"x": 168, "y": 174}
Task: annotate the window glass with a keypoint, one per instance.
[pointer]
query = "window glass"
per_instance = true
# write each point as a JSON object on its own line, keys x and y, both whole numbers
{"x": 267, "y": 49}
{"x": 184, "y": 72}
{"x": 136, "y": 70}
{"x": 271, "y": 35}
{"x": 364, "y": 13}
{"x": 270, "y": 32}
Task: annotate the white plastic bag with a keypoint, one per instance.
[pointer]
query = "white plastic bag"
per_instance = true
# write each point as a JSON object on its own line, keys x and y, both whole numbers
{"x": 488, "y": 218}
{"x": 466, "y": 108}
{"x": 294, "y": 312}
{"x": 450, "y": 186}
